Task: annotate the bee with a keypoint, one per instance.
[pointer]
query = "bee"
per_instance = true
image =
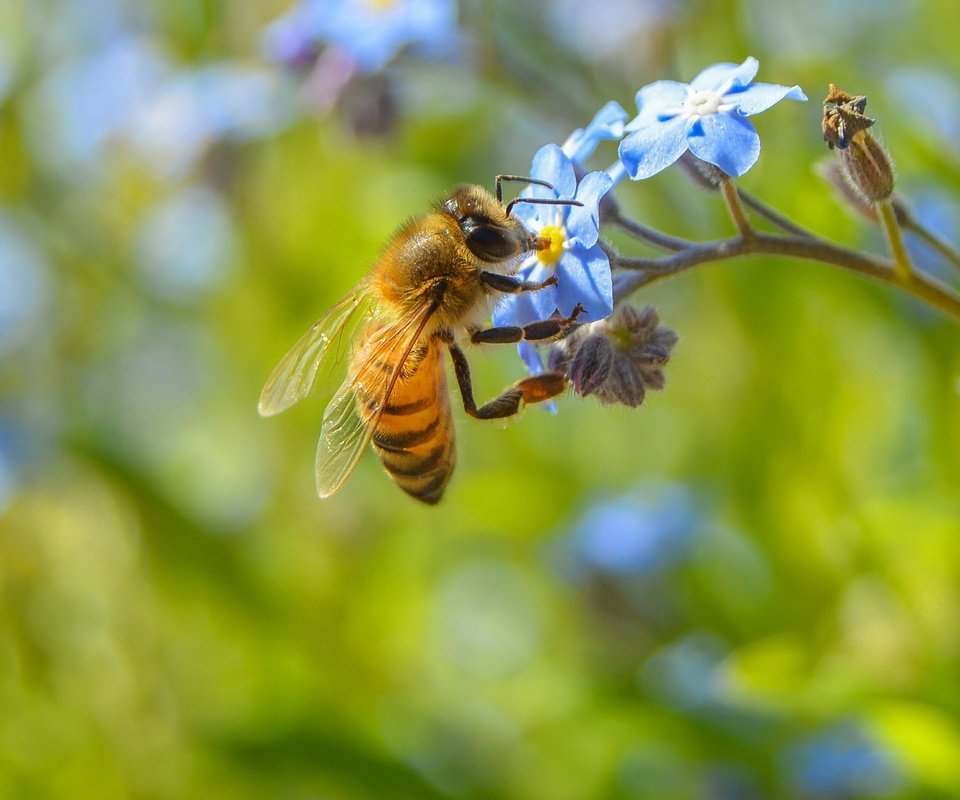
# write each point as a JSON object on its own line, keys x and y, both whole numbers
{"x": 430, "y": 288}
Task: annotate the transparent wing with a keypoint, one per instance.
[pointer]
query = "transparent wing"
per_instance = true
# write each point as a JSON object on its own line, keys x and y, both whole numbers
{"x": 348, "y": 427}
{"x": 292, "y": 378}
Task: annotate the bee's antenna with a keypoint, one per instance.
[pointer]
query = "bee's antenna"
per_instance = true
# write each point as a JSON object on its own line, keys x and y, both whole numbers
{"x": 541, "y": 201}
{"x": 521, "y": 179}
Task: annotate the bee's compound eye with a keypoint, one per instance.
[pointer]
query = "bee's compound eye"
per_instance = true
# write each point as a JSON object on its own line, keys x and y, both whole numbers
{"x": 488, "y": 241}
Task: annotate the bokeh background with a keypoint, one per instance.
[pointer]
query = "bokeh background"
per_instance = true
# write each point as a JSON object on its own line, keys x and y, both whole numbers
{"x": 746, "y": 588}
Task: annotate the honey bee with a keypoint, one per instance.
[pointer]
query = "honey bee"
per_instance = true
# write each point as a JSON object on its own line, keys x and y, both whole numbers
{"x": 431, "y": 287}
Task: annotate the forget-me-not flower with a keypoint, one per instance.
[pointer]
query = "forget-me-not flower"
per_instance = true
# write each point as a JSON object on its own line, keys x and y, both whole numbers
{"x": 707, "y": 116}
{"x": 607, "y": 123}
{"x": 370, "y": 32}
{"x": 571, "y": 251}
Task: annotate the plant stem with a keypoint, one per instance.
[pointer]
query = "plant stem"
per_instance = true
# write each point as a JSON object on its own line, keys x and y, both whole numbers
{"x": 652, "y": 235}
{"x": 808, "y": 248}
{"x": 888, "y": 221}
{"x": 732, "y": 198}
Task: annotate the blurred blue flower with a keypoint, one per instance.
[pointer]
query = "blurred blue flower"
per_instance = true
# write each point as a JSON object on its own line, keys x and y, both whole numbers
{"x": 581, "y": 266}
{"x": 635, "y": 534}
{"x": 182, "y": 117}
{"x": 936, "y": 208}
{"x": 12, "y": 436}
{"x": 933, "y": 98}
{"x": 841, "y": 762}
{"x": 607, "y": 123}
{"x": 685, "y": 674}
{"x": 708, "y": 116}
{"x": 184, "y": 244}
{"x": 371, "y": 32}
{"x": 24, "y": 286}
{"x": 128, "y": 95}
{"x": 84, "y": 101}
{"x": 606, "y": 29}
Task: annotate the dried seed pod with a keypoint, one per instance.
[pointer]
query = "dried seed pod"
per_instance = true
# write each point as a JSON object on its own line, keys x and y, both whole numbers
{"x": 866, "y": 164}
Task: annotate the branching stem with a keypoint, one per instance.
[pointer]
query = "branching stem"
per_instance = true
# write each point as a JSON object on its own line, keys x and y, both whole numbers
{"x": 645, "y": 271}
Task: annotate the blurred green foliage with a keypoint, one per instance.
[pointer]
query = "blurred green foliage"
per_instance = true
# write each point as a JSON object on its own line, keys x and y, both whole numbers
{"x": 180, "y": 617}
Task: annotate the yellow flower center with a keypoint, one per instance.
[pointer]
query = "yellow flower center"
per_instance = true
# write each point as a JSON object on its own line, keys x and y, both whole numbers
{"x": 378, "y": 6}
{"x": 552, "y": 238}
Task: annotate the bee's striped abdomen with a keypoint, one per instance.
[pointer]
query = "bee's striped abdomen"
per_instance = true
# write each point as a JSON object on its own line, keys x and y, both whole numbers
{"x": 415, "y": 437}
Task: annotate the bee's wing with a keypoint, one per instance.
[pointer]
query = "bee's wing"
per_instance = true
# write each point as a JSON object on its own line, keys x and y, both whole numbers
{"x": 292, "y": 378}
{"x": 346, "y": 430}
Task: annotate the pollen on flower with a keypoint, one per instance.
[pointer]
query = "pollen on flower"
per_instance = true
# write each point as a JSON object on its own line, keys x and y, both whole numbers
{"x": 551, "y": 238}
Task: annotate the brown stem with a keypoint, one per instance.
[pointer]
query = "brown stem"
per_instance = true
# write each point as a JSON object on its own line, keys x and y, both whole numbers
{"x": 729, "y": 191}
{"x": 652, "y": 235}
{"x": 808, "y": 248}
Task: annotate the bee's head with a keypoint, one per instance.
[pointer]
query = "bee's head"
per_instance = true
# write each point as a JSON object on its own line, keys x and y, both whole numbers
{"x": 489, "y": 233}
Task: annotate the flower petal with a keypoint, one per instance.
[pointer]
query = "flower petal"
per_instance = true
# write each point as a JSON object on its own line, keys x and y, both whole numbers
{"x": 533, "y": 216}
{"x": 551, "y": 165}
{"x": 654, "y": 99}
{"x": 583, "y": 222}
{"x": 531, "y": 357}
{"x": 716, "y": 75}
{"x": 726, "y": 140}
{"x": 607, "y": 123}
{"x": 583, "y": 276}
{"x": 654, "y": 147}
{"x": 759, "y": 97}
{"x": 518, "y": 309}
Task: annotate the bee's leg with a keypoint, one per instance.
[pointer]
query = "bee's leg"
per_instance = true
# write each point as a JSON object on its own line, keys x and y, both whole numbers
{"x": 530, "y": 390}
{"x": 545, "y": 330}
{"x": 510, "y": 285}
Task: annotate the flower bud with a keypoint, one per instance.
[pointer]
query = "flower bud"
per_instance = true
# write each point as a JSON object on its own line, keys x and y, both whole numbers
{"x": 616, "y": 359}
{"x": 834, "y": 174}
{"x": 591, "y": 364}
{"x": 865, "y": 162}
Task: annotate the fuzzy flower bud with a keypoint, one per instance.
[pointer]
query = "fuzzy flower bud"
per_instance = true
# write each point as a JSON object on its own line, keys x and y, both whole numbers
{"x": 835, "y": 175}
{"x": 591, "y": 363}
{"x": 616, "y": 359}
{"x": 866, "y": 165}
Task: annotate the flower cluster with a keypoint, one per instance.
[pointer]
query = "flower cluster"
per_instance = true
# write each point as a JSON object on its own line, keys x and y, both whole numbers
{"x": 344, "y": 48}
{"x": 370, "y": 33}
{"x": 705, "y": 123}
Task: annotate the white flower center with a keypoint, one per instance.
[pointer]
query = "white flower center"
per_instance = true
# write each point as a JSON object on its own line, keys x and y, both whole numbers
{"x": 702, "y": 104}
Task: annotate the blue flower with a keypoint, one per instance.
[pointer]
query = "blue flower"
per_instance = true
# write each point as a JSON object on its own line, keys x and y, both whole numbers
{"x": 371, "y": 32}
{"x": 708, "y": 116}
{"x": 842, "y": 762}
{"x": 641, "y": 533}
{"x": 572, "y": 252}
{"x": 607, "y": 123}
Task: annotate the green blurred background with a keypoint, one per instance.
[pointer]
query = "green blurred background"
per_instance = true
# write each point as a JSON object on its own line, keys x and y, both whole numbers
{"x": 746, "y": 588}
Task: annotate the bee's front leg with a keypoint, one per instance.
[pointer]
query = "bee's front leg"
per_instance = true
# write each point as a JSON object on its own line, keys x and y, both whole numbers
{"x": 545, "y": 330}
{"x": 507, "y": 284}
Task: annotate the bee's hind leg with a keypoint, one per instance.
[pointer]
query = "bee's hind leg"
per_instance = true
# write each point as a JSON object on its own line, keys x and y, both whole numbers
{"x": 530, "y": 390}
